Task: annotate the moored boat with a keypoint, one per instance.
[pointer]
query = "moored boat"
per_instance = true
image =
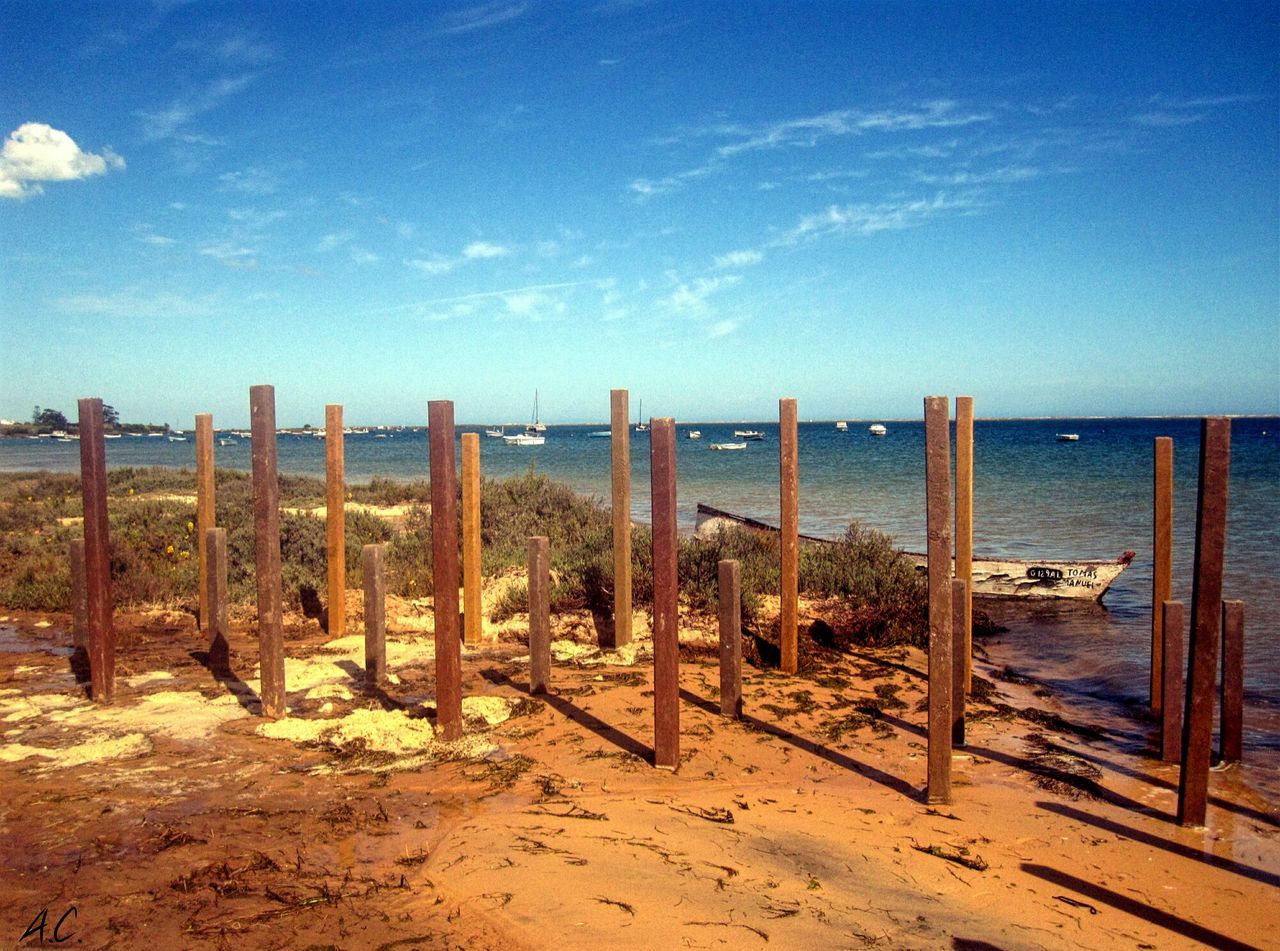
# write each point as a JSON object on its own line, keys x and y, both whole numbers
{"x": 877, "y": 429}
{"x": 1085, "y": 580}
{"x": 842, "y": 426}
{"x": 727, "y": 446}
{"x": 1068, "y": 437}
{"x": 694, "y": 434}
{"x": 524, "y": 439}
{"x": 748, "y": 434}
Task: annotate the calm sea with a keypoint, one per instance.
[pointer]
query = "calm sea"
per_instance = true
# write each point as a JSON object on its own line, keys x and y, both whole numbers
{"x": 1033, "y": 497}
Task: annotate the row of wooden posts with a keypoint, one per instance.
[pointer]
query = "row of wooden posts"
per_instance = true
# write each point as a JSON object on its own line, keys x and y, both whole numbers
{"x": 949, "y": 582}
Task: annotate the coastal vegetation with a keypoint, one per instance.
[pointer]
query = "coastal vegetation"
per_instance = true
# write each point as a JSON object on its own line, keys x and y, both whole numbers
{"x": 869, "y": 591}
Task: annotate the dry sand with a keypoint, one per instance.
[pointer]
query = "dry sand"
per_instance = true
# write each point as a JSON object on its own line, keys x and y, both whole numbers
{"x": 177, "y": 817}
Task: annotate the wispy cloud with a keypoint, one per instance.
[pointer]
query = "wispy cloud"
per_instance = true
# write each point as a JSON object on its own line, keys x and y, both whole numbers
{"x": 231, "y": 254}
{"x": 738, "y": 259}
{"x": 437, "y": 264}
{"x": 36, "y": 153}
{"x": 722, "y": 328}
{"x": 484, "y": 249}
{"x": 996, "y": 176}
{"x": 168, "y": 123}
{"x": 252, "y": 181}
{"x": 690, "y": 297}
{"x": 1170, "y": 112}
{"x": 133, "y": 303}
{"x": 866, "y": 219}
{"x": 481, "y": 17}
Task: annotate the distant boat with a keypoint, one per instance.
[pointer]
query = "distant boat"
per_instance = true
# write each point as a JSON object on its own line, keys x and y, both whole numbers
{"x": 694, "y": 434}
{"x": 495, "y": 433}
{"x": 842, "y": 426}
{"x": 524, "y": 439}
{"x": 537, "y": 426}
{"x": 155, "y": 435}
{"x": 601, "y": 434}
{"x": 726, "y": 446}
{"x": 748, "y": 434}
{"x": 111, "y": 436}
{"x": 177, "y": 439}
{"x": 226, "y": 442}
{"x": 641, "y": 425}
{"x": 1068, "y": 437}
{"x": 877, "y": 429}
{"x": 992, "y": 577}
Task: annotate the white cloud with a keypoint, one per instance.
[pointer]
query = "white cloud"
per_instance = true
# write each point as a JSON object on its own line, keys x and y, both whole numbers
{"x": 132, "y": 303}
{"x": 435, "y": 265}
{"x": 483, "y": 249}
{"x": 166, "y": 123}
{"x": 999, "y": 176}
{"x": 722, "y": 328}
{"x": 737, "y": 259}
{"x": 333, "y": 240}
{"x": 231, "y": 254}
{"x": 35, "y": 153}
{"x": 865, "y": 219}
{"x": 481, "y": 17}
{"x": 691, "y": 297}
{"x": 361, "y": 256}
{"x": 253, "y": 181}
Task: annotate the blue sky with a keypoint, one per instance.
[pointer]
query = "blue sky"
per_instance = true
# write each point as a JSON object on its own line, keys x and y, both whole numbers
{"x": 1058, "y": 208}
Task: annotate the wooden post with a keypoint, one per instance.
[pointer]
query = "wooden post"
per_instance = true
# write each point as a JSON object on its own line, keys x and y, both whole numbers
{"x": 1206, "y": 618}
{"x": 335, "y": 518}
{"x": 79, "y": 597}
{"x": 97, "y": 565}
{"x": 959, "y": 667}
{"x": 1162, "y": 563}
{"x": 789, "y": 492}
{"x": 1173, "y": 682}
{"x": 216, "y": 624}
{"x": 444, "y": 557}
{"x": 375, "y": 617}
{"x": 266, "y": 539}
{"x": 620, "y": 463}
{"x": 205, "y": 510}
{"x": 472, "y": 613}
{"x": 539, "y": 614}
{"x": 730, "y": 612}
{"x": 964, "y": 545}
{"x": 1232, "y": 737}
{"x": 937, "y": 427}
{"x": 666, "y": 592}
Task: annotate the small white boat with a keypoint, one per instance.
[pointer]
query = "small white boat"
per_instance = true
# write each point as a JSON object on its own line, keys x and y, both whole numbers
{"x": 524, "y": 439}
{"x": 724, "y": 446}
{"x": 1068, "y": 437}
{"x": 694, "y": 434}
{"x": 155, "y": 435}
{"x": 877, "y": 429}
{"x": 226, "y": 442}
{"x": 495, "y": 433}
{"x": 601, "y": 434}
{"x": 177, "y": 439}
{"x": 748, "y": 434}
{"x": 59, "y": 434}
{"x": 111, "y": 436}
{"x": 842, "y": 426}
{"x": 641, "y": 425}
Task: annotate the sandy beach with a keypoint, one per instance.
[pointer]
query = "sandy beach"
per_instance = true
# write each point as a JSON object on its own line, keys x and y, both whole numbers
{"x": 178, "y": 817}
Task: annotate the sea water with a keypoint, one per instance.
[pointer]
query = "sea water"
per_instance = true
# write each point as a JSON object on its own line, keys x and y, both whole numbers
{"x": 1034, "y": 497}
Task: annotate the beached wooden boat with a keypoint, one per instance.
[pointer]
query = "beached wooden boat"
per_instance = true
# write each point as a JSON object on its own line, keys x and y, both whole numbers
{"x": 992, "y": 577}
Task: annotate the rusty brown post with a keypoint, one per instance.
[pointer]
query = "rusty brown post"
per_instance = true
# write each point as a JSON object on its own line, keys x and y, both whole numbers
{"x": 205, "y": 509}
{"x": 666, "y": 593}
{"x": 335, "y": 517}
{"x": 1162, "y": 562}
{"x": 1232, "y": 736}
{"x": 444, "y": 557}
{"x": 730, "y": 613}
{"x": 964, "y": 546}
{"x": 539, "y": 614}
{"x": 375, "y": 617}
{"x": 789, "y": 493}
{"x": 266, "y": 543}
{"x": 216, "y": 625}
{"x": 97, "y": 566}
{"x": 937, "y": 435}
{"x": 959, "y": 625}
{"x": 472, "y": 613}
{"x": 620, "y": 465}
{"x": 1206, "y": 618}
{"x": 79, "y": 597}
{"x": 1173, "y": 683}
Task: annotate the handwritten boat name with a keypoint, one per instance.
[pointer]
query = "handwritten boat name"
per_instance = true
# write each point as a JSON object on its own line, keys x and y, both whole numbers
{"x": 1074, "y": 577}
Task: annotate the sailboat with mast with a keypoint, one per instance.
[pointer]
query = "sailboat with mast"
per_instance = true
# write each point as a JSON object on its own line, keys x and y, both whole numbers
{"x": 533, "y": 433}
{"x": 641, "y": 425}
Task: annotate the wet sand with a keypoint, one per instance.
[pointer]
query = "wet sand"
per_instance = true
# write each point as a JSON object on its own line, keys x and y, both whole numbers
{"x": 170, "y": 820}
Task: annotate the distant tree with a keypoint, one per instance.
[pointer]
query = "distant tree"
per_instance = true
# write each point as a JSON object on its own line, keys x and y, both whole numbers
{"x": 110, "y": 418}
{"x": 49, "y": 417}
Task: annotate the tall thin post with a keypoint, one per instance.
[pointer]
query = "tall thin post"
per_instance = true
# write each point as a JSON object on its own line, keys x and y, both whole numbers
{"x": 964, "y": 544}
{"x": 79, "y": 597}
{"x": 1162, "y": 562}
{"x": 620, "y": 467}
{"x": 97, "y": 566}
{"x": 472, "y": 617}
{"x": 444, "y": 557}
{"x": 205, "y": 510}
{"x": 937, "y": 435}
{"x": 666, "y": 591}
{"x": 375, "y": 617}
{"x": 266, "y": 543}
{"x": 789, "y": 500}
{"x": 335, "y": 517}
{"x": 1172, "y": 671}
{"x": 1206, "y": 618}
{"x": 959, "y": 637}
{"x": 216, "y": 626}
{"x": 539, "y": 614}
{"x": 730, "y": 614}
{"x": 1232, "y": 738}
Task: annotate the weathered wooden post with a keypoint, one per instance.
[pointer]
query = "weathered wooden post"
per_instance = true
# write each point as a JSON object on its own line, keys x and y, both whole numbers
{"x": 1173, "y": 682}
{"x": 1162, "y": 563}
{"x": 205, "y": 510}
{"x": 730, "y": 614}
{"x": 539, "y": 614}
{"x": 620, "y": 468}
{"x": 266, "y": 543}
{"x": 666, "y": 592}
{"x": 79, "y": 597}
{"x": 97, "y": 566}
{"x": 789, "y": 492}
{"x": 937, "y": 427}
{"x": 472, "y": 613}
{"x": 444, "y": 557}
{"x": 964, "y": 546}
{"x": 959, "y": 669}
{"x": 335, "y": 517}
{"x": 216, "y": 622}
{"x": 1232, "y": 738}
{"x": 1206, "y": 618}
{"x": 375, "y": 617}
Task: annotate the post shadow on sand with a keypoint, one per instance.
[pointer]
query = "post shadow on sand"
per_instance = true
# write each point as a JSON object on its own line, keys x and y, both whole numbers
{"x": 1161, "y": 919}
{"x": 224, "y": 675}
{"x": 313, "y": 609}
{"x": 374, "y": 691}
{"x": 79, "y": 661}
